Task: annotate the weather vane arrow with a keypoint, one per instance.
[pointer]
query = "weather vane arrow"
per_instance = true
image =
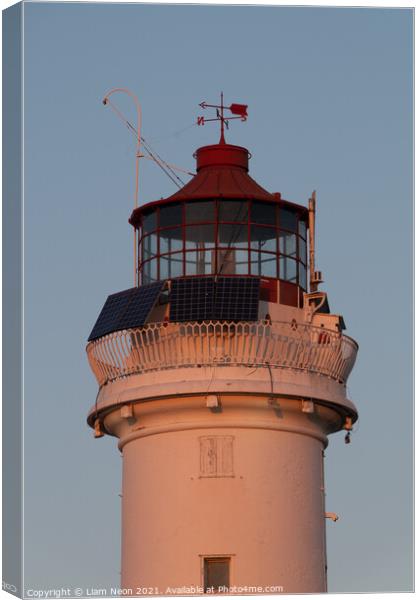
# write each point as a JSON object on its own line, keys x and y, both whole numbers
{"x": 236, "y": 109}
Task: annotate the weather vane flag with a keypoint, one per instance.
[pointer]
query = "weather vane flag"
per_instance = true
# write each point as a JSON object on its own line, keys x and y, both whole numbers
{"x": 240, "y": 110}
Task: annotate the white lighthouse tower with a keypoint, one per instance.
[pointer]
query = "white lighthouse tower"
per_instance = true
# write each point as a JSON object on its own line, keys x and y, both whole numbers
{"x": 221, "y": 374}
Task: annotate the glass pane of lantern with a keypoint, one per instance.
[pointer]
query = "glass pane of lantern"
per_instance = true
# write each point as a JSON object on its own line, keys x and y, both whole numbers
{"x": 170, "y": 215}
{"x": 302, "y": 250}
{"x": 170, "y": 240}
{"x": 264, "y": 213}
{"x": 226, "y": 261}
{"x": 153, "y": 270}
{"x": 255, "y": 263}
{"x": 302, "y": 229}
{"x": 287, "y": 243}
{"x": 145, "y": 273}
{"x": 198, "y": 262}
{"x": 263, "y": 238}
{"x": 231, "y": 261}
{"x": 234, "y": 236}
{"x": 302, "y": 276}
{"x": 149, "y": 245}
{"x": 199, "y": 236}
{"x": 288, "y": 269}
{"x": 164, "y": 267}
{"x": 176, "y": 264}
{"x": 149, "y": 271}
{"x": 199, "y": 212}
{"x": 241, "y": 262}
{"x": 235, "y": 211}
{"x": 288, "y": 219}
{"x": 268, "y": 265}
{"x": 171, "y": 265}
{"x": 149, "y": 222}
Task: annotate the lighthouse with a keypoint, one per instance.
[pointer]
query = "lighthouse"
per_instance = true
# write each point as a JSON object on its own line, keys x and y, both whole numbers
{"x": 222, "y": 373}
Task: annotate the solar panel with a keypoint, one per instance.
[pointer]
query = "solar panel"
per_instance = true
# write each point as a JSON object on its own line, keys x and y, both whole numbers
{"x": 112, "y": 309}
{"x": 192, "y": 299}
{"x": 126, "y": 309}
{"x": 142, "y": 301}
{"x": 237, "y": 299}
{"x": 203, "y": 298}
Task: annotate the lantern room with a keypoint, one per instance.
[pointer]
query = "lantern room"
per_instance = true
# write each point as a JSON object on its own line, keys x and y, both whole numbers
{"x": 223, "y": 223}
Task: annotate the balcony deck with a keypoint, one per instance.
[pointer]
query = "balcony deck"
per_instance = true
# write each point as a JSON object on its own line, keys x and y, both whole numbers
{"x": 278, "y": 344}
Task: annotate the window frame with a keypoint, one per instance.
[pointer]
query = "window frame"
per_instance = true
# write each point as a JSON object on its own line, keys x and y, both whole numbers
{"x": 208, "y": 559}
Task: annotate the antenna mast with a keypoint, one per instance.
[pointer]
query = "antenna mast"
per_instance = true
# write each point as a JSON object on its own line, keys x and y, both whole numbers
{"x": 106, "y": 101}
{"x": 313, "y": 283}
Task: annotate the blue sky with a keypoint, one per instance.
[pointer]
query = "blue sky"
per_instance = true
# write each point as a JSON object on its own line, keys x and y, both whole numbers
{"x": 330, "y": 108}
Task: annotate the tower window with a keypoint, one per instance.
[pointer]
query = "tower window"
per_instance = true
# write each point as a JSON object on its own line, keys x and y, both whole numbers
{"x": 216, "y": 574}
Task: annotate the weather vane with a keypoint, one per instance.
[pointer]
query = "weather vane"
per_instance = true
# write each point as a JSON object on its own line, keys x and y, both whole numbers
{"x": 235, "y": 109}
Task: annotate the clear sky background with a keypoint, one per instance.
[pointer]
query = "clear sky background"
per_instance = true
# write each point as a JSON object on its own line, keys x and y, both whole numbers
{"x": 330, "y": 108}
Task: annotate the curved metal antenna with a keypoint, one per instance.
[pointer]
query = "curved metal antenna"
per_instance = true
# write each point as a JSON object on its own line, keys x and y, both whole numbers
{"x": 138, "y": 156}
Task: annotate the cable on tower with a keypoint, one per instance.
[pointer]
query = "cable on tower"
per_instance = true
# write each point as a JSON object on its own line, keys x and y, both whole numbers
{"x": 166, "y": 167}
{"x": 175, "y": 134}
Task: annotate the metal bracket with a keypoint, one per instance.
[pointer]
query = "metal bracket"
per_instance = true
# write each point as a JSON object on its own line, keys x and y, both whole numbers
{"x": 307, "y": 406}
{"x": 333, "y": 516}
{"x": 212, "y": 401}
{"x": 98, "y": 429}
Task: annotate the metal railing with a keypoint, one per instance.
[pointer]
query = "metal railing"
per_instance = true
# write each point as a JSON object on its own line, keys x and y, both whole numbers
{"x": 278, "y": 344}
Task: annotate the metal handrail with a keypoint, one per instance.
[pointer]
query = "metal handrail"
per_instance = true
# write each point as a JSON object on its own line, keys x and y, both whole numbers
{"x": 167, "y": 345}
